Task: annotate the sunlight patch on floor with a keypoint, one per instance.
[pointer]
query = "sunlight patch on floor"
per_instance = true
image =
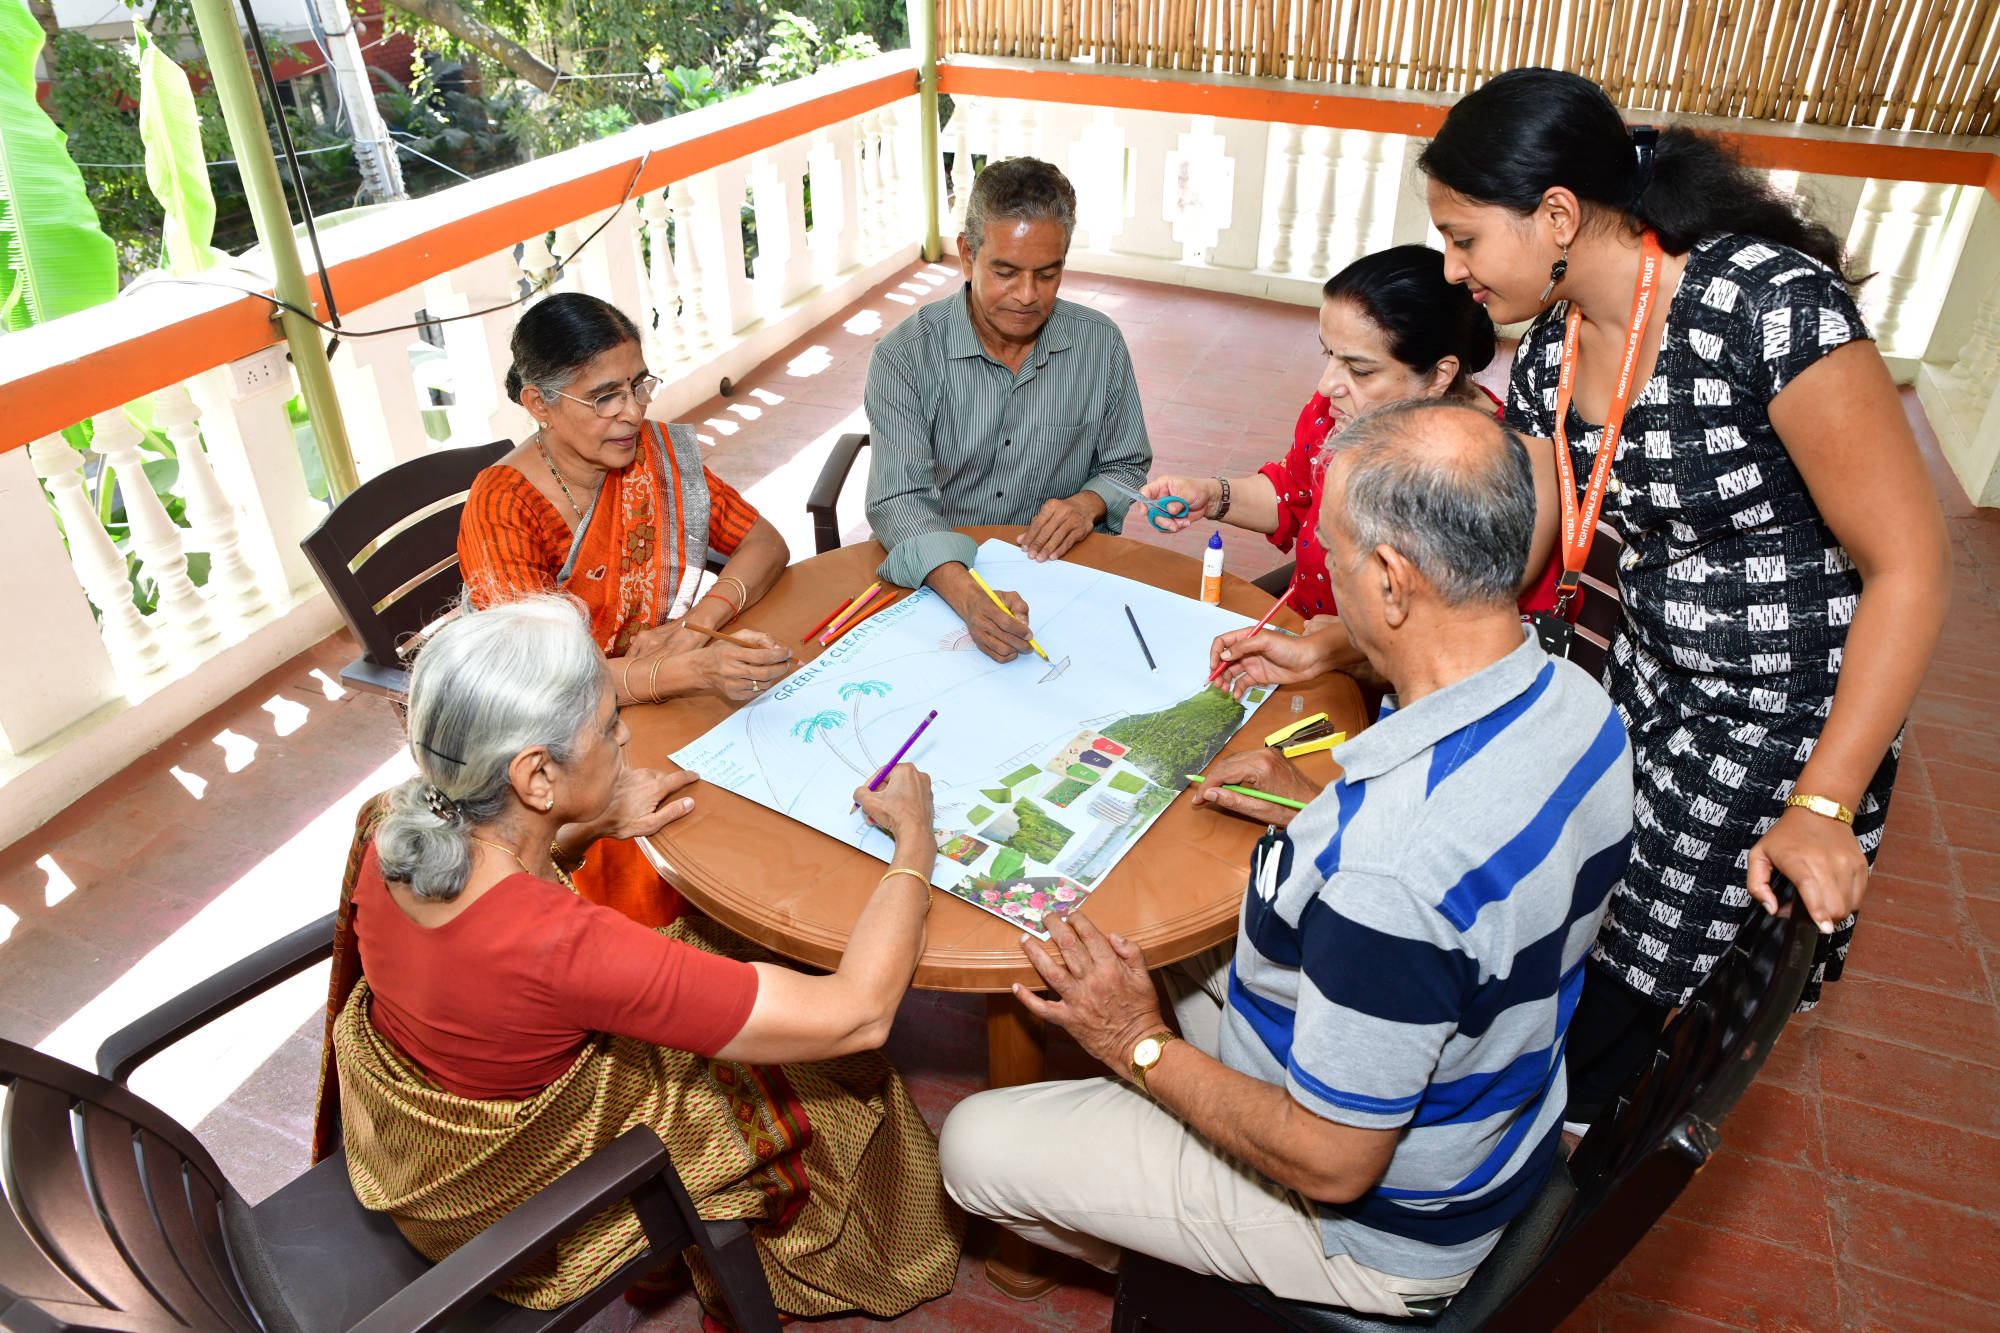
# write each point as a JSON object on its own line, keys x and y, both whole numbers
{"x": 809, "y": 362}
{"x": 748, "y": 411}
{"x": 766, "y": 397}
{"x": 863, "y": 322}
{"x": 328, "y": 686}
{"x": 295, "y": 884}
{"x": 195, "y": 785}
{"x": 723, "y": 425}
{"x": 8, "y": 920}
{"x": 287, "y": 715}
{"x": 900, "y": 299}
{"x": 781, "y": 495}
{"x": 238, "y": 751}
{"x": 60, "y": 885}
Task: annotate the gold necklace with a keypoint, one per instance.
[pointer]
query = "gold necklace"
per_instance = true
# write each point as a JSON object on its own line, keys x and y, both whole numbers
{"x": 562, "y": 876}
{"x": 556, "y": 472}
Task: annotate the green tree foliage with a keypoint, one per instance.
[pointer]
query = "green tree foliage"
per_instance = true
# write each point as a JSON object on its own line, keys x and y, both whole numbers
{"x": 1039, "y": 837}
{"x": 1177, "y": 741}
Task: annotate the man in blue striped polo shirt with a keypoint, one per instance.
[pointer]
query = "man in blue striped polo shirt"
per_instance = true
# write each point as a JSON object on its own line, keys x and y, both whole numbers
{"x": 1385, "y": 1090}
{"x": 1002, "y": 404}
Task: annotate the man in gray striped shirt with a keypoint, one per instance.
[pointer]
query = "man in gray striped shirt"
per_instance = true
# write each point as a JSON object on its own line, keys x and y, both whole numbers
{"x": 1002, "y": 405}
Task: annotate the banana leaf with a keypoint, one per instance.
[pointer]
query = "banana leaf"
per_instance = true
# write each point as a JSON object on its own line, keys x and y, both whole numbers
{"x": 176, "y": 168}
{"x": 54, "y": 258}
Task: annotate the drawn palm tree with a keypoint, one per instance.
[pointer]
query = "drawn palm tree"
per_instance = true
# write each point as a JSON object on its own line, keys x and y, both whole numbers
{"x": 853, "y": 692}
{"x": 824, "y": 723}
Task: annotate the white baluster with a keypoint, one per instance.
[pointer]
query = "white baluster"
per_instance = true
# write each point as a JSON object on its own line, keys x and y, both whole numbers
{"x": 874, "y": 142}
{"x": 1324, "y": 216}
{"x": 135, "y": 648}
{"x": 536, "y": 261}
{"x": 230, "y": 580}
{"x": 567, "y": 247}
{"x": 694, "y": 323}
{"x": 897, "y": 213}
{"x": 663, "y": 331}
{"x": 155, "y": 537}
{"x": 1972, "y": 374}
{"x": 1287, "y": 211}
{"x": 68, "y": 675}
{"x": 847, "y": 169}
{"x": 958, "y": 141}
{"x": 1919, "y": 207}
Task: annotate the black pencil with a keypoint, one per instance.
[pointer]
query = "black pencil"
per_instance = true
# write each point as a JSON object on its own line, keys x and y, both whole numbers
{"x": 1151, "y": 665}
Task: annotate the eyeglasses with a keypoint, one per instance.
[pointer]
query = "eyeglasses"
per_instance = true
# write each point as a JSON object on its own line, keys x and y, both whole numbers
{"x": 610, "y": 404}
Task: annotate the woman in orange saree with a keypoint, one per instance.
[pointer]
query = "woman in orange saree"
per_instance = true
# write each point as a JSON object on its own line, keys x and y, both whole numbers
{"x": 619, "y": 511}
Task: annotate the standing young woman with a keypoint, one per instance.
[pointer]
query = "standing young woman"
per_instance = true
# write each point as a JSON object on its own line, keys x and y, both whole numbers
{"x": 1785, "y": 570}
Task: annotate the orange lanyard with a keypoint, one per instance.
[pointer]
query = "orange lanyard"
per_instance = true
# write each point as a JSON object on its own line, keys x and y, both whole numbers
{"x": 1579, "y": 525}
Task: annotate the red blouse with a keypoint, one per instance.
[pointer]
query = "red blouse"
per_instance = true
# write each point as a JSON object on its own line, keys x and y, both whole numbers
{"x": 497, "y": 1001}
{"x": 1299, "y": 479}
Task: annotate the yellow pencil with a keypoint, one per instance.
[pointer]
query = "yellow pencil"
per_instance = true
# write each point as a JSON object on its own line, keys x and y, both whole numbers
{"x": 850, "y": 609}
{"x": 987, "y": 588}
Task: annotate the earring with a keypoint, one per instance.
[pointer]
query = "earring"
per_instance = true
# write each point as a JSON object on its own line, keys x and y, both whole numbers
{"x": 1557, "y": 272}
{"x": 548, "y": 805}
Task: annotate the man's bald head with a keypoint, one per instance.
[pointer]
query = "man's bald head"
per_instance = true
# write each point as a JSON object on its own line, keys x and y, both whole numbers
{"x": 1446, "y": 486}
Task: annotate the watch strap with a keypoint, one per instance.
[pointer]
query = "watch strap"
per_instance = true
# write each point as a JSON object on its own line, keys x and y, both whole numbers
{"x": 1222, "y": 505}
{"x": 1821, "y": 805}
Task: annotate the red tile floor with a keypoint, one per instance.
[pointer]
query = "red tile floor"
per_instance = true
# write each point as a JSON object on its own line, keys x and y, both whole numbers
{"x": 1857, "y": 1185}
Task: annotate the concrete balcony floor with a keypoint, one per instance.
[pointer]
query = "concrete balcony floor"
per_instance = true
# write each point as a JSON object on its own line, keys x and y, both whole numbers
{"x": 1857, "y": 1183}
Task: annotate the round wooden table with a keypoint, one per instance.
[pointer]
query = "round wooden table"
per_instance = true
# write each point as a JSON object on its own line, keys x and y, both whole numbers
{"x": 797, "y": 891}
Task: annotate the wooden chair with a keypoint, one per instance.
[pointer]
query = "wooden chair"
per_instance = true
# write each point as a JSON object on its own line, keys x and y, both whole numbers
{"x": 113, "y": 1217}
{"x": 1627, "y": 1171}
{"x": 825, "y": 496}
{"x": 387, "y": 591}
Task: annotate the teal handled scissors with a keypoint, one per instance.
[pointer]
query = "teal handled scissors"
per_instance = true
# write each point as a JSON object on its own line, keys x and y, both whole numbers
{"x": 1161, "y": 513}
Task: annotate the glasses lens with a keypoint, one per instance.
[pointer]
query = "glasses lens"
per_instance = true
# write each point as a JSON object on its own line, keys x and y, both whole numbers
{"x": 645, "y": 387}
{"x": 609, "y": 404}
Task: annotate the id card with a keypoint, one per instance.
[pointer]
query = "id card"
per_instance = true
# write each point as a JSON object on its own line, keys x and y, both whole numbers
{"x": 1554, "y": 633}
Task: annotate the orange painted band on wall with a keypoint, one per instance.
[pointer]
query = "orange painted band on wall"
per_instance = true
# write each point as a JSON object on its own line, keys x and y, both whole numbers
{"x": 116, "y": 372}
{"x": 1148, "y": 90}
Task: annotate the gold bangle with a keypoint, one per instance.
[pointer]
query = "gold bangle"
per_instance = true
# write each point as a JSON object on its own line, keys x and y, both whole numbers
{"x": 625, "y": 679}
{"x": 1822, "y": 805}
{"x": 742, "y": 590}
{"x": 930, "y": 892}
{"x": 653, "y": 681}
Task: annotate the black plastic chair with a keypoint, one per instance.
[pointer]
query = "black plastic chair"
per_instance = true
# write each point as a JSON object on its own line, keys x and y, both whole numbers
{"x": 825, "y": 496}
{"x": 1627, "y": 1172}
{"x": 116, "y": 1218}
{"x": 388, "y": 592}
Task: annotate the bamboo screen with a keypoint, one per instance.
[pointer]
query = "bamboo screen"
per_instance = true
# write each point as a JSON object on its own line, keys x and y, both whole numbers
{"x": 1895, "y": 64}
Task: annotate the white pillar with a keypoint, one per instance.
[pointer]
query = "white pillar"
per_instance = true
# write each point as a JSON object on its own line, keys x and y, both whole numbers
{"x": 664, "y": 346}
{"x": 1285, "y": 213}
{"x": 256, "y": 460}
{"x": 692, "y": 281}
{"x": 232, "y": 586}
{"x": 155, "y": 537}
{"x": 134, "y": 648}
{"x": 67, "y": 675}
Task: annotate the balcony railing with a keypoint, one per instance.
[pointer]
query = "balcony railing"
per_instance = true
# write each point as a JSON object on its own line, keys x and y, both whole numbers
{"x": 1256, "y": 186}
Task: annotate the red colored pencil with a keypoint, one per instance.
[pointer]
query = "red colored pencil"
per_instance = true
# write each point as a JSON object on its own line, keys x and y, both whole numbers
{"x": 814, "y": 631}
{"x": 875, "y": 610}
{"x": 1286, "y": 596}
{"x": 855, "y": 615}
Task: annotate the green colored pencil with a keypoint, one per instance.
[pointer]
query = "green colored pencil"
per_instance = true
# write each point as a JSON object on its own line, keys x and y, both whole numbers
{"x": 1285, "y": 801}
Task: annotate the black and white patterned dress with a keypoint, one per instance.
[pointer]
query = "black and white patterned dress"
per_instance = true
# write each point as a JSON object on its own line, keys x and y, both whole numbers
{"x": 1737, "y": 598}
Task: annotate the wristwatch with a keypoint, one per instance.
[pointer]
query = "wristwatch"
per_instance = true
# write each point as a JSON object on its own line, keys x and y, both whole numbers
{"x": 1147, "y": 1054}
{"x": 1822, "y": 805}
{"x": 1222, "y": 505}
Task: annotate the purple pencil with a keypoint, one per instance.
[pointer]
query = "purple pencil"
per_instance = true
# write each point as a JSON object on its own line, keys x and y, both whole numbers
{"x": 875, "y": 783}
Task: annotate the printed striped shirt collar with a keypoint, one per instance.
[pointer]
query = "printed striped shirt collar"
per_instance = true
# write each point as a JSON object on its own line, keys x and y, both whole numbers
{"x": 1409, "y": 731}
{"x": 962, "y": 340}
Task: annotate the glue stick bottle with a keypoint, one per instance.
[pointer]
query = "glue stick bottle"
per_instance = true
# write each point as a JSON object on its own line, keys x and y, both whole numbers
{"x": 1211, "y": 570}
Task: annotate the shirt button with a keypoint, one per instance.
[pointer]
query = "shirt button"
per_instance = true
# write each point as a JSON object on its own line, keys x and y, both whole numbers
{"x": 1005, "y": 443}
{"x": 1613, "y": 486}
{"x": 998, "y": 494}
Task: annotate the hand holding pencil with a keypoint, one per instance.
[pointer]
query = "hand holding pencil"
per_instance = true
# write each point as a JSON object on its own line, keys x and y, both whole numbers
{"x": 1233, "y": 778}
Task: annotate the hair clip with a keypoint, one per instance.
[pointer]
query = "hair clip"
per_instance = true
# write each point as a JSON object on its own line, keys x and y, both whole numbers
{"x": 440, "y": 804}
{"x": 448, "y": 758}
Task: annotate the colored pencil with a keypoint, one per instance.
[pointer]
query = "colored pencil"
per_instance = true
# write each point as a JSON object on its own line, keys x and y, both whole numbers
{"x": 726, "y": 638}
{"x": 875, "y": 783}
{"x": 1240, "y": 790}
{"x": 1284, "y": 597}
{"x": 850, "y": 609}
{"x": 848, "y": 622}
{"x": 848, "y": 628}
{"x": 838, "y": 608}
{"x": 1151, "y": 665}
{"x": 987, "y": 588}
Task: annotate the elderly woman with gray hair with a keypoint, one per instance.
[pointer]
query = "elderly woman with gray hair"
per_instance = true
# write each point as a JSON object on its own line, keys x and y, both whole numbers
{"x": 499, "y": 1028}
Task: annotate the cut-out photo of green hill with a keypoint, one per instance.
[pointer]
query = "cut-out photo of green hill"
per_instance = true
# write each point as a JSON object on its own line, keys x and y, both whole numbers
{"x": 1039, "y": 838}
{"x": 1173, "y": 742}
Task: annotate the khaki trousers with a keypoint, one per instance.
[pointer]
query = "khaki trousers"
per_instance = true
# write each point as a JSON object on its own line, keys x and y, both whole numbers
{"x": 1092, "y": 1167}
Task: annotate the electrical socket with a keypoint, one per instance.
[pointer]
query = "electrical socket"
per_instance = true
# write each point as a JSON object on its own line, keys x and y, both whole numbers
{"x": 260, "y": 371}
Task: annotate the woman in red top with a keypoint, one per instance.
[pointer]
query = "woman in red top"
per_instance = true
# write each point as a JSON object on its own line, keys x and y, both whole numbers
{"x": 503, "y": 1028}
{"x": 1391, "y": 328}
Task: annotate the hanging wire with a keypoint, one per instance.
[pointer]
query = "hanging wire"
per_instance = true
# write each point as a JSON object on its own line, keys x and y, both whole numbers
{"x": 161, "y": 279}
